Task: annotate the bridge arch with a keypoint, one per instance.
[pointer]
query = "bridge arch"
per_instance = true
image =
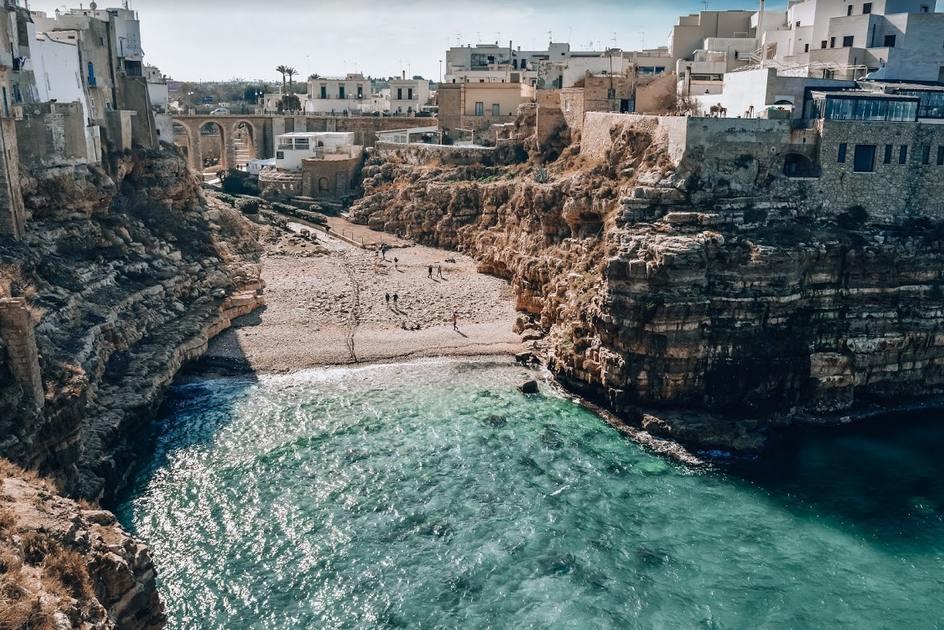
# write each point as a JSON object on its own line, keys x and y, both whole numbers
{"x": 246, "y": 141}
{"x": 226, "y": 154}
{"x": 183, "y": 139}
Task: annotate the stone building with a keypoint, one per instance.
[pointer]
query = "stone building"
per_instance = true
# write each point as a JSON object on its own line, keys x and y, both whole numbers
{"x": 407, "y": 96}
{"x": 320, "y": 165}
{"x": 467, "y": 110}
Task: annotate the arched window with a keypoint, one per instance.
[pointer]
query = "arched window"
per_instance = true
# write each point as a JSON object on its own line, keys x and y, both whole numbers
{"x": 323, "y": 185}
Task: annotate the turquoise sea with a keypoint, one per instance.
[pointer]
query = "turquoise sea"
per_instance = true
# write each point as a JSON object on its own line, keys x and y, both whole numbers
{"x": 435, "y": 495}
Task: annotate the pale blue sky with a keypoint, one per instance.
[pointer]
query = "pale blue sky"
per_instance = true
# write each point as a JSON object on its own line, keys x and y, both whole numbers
{"x": 224, "y": 39}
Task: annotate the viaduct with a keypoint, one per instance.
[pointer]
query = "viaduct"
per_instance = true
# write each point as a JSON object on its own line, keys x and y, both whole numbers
{"x": 260, "y": 132}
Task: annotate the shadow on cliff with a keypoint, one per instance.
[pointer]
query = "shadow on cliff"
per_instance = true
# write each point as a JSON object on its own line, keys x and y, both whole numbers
{"x": 883, "y": 479}
{"x": 210, "y": 387}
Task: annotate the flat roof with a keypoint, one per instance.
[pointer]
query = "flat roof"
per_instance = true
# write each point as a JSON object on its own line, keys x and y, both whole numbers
{"x": 411, "y": 131}
{"x": 320, "y": 134}
{"x": 861, "y": 94}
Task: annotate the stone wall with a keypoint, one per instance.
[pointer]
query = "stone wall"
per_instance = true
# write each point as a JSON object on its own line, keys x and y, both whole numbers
{"x": 419, "y": 154}
{"x": 330, "y": 179}
{"x": 890, "y": 191}
{"x": 16, "y": 328}
{"x": 52, "y": 134}
{"x": 12, "y": 212}
{"x": 550, "y": 117}
{"x": 572, "y": 107}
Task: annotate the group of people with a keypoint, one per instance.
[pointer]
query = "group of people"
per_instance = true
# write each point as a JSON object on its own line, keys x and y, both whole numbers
{"x": 394, "y": 299}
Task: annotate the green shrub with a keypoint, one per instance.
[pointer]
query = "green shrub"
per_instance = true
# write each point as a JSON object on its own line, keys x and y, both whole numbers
{"x": 541, "y": 176}
{"x": 248, "y": 205}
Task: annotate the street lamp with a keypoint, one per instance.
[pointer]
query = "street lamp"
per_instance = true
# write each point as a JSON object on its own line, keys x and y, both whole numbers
{"x": 440, "y": 70}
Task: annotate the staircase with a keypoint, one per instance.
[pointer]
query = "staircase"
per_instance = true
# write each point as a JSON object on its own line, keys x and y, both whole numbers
{"x": 242, "y": 152}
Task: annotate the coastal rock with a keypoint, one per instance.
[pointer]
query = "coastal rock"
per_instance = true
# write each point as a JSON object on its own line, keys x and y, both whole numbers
{"x": 662, "y": 288}
{"x": 123, "y": 285}
{"x": 529, "y": 387}
{"x": 64, "y": 565}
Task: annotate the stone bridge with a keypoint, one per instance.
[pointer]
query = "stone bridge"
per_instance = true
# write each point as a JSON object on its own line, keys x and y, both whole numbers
{"x": 260, "y": 132}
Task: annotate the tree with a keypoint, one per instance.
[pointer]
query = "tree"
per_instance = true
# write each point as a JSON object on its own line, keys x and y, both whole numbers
{"x": 283, "y": 70}
{"x": 288, "y": 103}
{"x": 291, "y": 72}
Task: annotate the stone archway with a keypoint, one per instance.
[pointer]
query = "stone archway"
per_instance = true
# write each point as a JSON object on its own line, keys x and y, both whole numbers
{"x": 216, "y": 149}
{"x": 797, "y": 165}
{"x": 246, "y": 141}
{"x": 183, "y": 140}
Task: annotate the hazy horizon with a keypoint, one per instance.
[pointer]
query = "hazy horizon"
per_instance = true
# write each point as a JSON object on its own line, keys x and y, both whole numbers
{"x": 222, "y": 40}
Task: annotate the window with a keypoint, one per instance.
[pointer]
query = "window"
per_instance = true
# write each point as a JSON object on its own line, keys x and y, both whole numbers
{"x": 798, "y": 24}
{"x": 409, "y": 93}
{"x": 847, "y": 41}
{"x": 903, "y": 154}
{"x": 864, "y": 161}
{"x": 849, "y": 10}
{"x": 479, "y": 109}
{"x": 324, "y": 91}
{"x": 832, "y": 42}
{"x": 842, "y": 153}
{"x": 926, "y": 154}
{"x": 280, "y": 155}
{"x": 889, "y": 41}
{"x": 340, "y": 91}
{"x": 866, "y": 8}
{"x": 940, "y": 156}
{"x": 888, "y": 154}
{"x": 360, "y": 91}
{"x": 399, "y": 94}
{"x": 823, "y": 44}
{"x": 806, "y": 48}
{"x": 496, "y": 109}
{"x": 925, "y": 8}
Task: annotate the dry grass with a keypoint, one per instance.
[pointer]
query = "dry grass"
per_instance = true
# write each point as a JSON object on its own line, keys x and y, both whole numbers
{"x": 27, "y": 613}
{"x": 67, "y": 568}
{"x": 10, "y": 563}
{"x": 9, "y": 469}
{"x": 36, "y": 546}
{"x": 7, "y": 519}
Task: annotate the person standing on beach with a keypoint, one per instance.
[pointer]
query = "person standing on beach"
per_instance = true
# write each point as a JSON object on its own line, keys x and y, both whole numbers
{"x": 455, "y": 323}
{"x": 394, "y": 301}
{"x": 387, "y": 296}
{"x": 439, "y": 270}
{"x": 395, "y": 262}
{"x": 429, "y": 274}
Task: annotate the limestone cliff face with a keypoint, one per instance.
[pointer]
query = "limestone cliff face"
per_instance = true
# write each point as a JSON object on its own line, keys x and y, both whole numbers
{"x": 125, "y": 277}
{"x": 63, "y": 565}
{"x": 706, "y": 314}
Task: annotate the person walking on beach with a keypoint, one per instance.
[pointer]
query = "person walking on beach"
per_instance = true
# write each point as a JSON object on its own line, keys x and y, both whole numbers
{"x": 396, "y": 261}
{"x": 387, "y": 297}
{"x": 439, "y": 270}
{"x": 429, "y": 273}
{"x": 455, "y": 323}
{"x": 394, "y": 301}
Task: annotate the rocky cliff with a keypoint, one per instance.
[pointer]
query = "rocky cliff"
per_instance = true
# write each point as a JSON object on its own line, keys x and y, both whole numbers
{"x": 125, "y": 273}
{"x": 688, "y": 303}
{"x": 68, "y": 565}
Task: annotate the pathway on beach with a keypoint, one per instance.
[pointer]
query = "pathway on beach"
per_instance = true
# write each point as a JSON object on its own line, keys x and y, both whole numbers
{"x": 326, "y": 304}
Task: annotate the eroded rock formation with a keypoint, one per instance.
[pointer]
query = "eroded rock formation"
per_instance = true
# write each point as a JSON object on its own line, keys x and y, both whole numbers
{"x": 126, "y": 275}
{"x": 694, "y": 302}
{"x": 63, "y": 565}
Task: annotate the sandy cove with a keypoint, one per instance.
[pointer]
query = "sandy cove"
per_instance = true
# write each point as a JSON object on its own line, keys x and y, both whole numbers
{"x": 322, "y": 295}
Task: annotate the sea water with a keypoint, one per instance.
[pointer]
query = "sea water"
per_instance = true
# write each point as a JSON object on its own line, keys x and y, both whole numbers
{"x": 436, "y": 495}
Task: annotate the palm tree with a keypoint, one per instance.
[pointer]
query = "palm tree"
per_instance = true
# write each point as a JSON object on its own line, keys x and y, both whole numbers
{"x": 291, "y": 72}
{"x": 283, "y": 70}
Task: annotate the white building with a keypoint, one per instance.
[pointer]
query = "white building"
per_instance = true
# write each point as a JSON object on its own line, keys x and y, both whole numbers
{"x": 338, "y": 95}
{"x": 292, "y": 148}
{"x": 58, "y": 73}
{"x": 407, "y": 96}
